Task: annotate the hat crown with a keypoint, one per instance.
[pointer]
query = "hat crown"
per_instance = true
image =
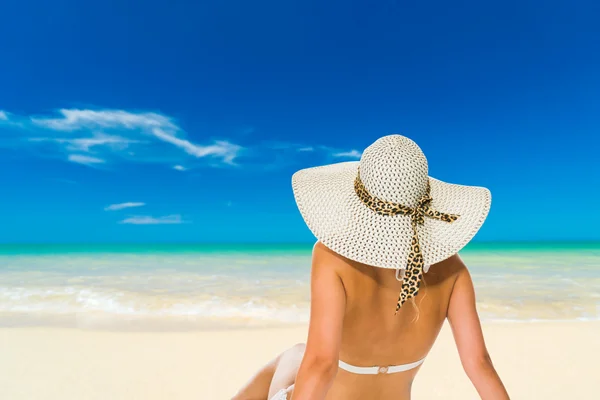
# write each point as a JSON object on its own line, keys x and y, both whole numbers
{"x": 395, "y": 169}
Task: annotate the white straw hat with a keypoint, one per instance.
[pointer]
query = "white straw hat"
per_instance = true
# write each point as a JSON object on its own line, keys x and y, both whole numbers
{"x": 393, "y": 170}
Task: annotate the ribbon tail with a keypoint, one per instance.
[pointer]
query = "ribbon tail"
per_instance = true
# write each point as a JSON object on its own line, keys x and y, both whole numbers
{"x": 414, "y": 272}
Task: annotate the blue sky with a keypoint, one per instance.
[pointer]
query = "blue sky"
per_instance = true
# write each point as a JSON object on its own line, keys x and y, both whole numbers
{"x": 183, "y": 121}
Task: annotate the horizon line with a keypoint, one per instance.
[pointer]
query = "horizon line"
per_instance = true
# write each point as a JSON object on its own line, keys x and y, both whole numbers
{"x": 579, "y": 241}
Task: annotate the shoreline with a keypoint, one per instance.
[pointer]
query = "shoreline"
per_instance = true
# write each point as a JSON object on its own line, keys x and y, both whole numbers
{"x": 182, "y": 290}
{"x": 162, "y": 325}
{"x": 536, "y": 361}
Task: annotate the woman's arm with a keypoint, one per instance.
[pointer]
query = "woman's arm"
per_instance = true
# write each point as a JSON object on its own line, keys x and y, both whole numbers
{"x": 466, "y": 328}
{"x": 328, "y": 303}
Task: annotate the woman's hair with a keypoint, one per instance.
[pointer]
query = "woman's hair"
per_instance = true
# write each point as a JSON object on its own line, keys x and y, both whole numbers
{"x": 414, "y": 301}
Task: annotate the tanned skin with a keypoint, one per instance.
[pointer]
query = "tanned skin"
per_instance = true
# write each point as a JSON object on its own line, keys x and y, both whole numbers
{"x": 352, "y": 319}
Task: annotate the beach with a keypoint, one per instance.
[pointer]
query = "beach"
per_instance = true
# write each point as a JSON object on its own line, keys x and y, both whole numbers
{"x": 535, "y": 360}
{"x": 195, "y": 322}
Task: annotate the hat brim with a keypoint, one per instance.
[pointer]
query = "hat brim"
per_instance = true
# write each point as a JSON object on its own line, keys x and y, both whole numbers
{"x": 336, "y": 216}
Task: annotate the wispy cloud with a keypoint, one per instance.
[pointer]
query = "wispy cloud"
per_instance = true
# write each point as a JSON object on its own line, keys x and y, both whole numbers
{"x": 89, "y": 136}
{"x": 149, "y": 220}
{"x": 348, "y": 154}
{"x": 86, "y": 144}
{"x": 120, "y": 206}
{"x": 107, "y": 137}
{"x": 76, "y": 119}
{"x": 85, "y": 160}
{"x": 222, "y": 149}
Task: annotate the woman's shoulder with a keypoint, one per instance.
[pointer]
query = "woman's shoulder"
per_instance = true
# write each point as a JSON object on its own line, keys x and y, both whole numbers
{"x": 448, "y": 270}
{"x": 453, "y": 264}
{"x": 323, "y": 256}
{"x": 322, "y": 253}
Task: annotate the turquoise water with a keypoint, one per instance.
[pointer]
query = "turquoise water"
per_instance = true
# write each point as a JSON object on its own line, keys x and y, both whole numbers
{"x": 296, "y": 248}
{"x": 190, "y": 286}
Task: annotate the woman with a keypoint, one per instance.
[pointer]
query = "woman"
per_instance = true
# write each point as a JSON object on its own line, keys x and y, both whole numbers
{"x": 385, "y": 276}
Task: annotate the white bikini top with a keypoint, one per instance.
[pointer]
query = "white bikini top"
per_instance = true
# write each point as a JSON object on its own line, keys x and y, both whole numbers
{"x": 379, "y": 370}
{"x": 389, "y": 369}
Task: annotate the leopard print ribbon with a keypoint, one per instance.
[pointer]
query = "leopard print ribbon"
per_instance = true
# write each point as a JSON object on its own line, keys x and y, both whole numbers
{"x": 413, "y": 275}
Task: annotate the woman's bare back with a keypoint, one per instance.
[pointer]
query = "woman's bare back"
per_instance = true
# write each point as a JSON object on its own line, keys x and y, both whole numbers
{"x": 373, "y": 335}
{"x": 352, "y": 320}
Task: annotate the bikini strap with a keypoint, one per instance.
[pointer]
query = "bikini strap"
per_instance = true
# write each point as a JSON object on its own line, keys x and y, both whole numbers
{"x": 379, "y": 370}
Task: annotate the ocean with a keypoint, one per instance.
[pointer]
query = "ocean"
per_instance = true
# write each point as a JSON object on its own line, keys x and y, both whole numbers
{"x": 189, "y": 287}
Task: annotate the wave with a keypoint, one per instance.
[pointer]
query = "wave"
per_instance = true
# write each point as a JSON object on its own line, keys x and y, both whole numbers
{"x": 273, "y": 309}
{"x": 71, "y": 300}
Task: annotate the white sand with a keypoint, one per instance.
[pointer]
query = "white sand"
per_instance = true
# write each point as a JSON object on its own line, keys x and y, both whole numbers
{"x": 535, "y": 360}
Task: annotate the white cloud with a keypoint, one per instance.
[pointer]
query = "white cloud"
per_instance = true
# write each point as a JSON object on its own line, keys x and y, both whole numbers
{"x": 149, "y": 220}
{"x": 75, "y": 119}
{"x": 120, "y": 206}
{"x": 348, "y": 154}
{"x": 109, "y": 136}
{"x": 227, "y": 151}
{"x": 120, "y": 135}
{"x": 85, "y": 144}
{"x": 86, "y": 160}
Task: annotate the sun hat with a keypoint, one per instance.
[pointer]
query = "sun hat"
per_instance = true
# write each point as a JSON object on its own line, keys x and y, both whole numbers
{"x": 386, "y": 211}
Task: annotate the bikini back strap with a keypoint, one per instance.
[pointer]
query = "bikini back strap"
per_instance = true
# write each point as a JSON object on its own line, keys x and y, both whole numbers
{"x": 379, "y": 370}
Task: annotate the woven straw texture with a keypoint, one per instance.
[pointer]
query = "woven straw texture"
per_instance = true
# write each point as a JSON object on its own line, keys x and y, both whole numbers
{"x": 394, "y": 169}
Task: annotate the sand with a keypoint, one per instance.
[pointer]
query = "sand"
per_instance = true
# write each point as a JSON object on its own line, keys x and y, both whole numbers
{"x": 536, "y": 361}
